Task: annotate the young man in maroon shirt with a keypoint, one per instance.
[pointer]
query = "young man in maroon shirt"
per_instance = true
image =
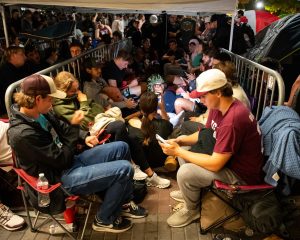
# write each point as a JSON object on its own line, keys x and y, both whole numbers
{"x": 236, "y": 156}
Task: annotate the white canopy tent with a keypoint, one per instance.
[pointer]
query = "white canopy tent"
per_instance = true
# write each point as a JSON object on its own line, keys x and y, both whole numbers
{"x": 152, "y": 6}
{"x": 188, "y": 6}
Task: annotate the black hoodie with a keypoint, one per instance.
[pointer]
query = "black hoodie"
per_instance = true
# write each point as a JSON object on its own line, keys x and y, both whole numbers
{"x": 35, "y": 147}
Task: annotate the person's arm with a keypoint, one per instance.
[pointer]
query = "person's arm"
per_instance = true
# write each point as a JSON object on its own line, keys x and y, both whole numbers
{"x": 109, "y": 30}
{"x": 112, "y": 82}
{"x": 163, "y": 112}
{"x": 214, "y": 162}
{"x": 186, "y": 140}
{"x": 295, "y": 86}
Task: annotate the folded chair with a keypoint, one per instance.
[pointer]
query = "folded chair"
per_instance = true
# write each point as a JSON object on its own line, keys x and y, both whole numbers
{"x": 28, "y": 186}
{"x": 226, "y": 192}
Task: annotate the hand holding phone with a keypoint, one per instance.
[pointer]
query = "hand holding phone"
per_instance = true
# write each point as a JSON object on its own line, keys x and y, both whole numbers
{"x": 160, "y": 139}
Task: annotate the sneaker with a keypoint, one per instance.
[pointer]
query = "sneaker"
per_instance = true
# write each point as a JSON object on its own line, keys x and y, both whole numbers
{"x": 177, "y": 196}
{"x": 9, "y": 220}
{"x": 133, "y": 211}
{"x": 157, "y": 181}
{"x": 138, "y": 173}
{"x": 183, "y": 217}
{"x": 119, "y": 225}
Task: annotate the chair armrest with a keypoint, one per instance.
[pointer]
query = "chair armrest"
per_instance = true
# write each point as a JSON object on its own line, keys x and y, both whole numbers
{"x": 234, "y": 187}
{"x": 32, "y": 181}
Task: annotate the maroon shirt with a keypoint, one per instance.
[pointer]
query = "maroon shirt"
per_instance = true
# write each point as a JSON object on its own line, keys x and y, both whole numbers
{"x": 237, "y": 132}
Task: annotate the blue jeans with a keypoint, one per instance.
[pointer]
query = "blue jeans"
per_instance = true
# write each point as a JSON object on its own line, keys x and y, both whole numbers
{"x": 103, "y": 168}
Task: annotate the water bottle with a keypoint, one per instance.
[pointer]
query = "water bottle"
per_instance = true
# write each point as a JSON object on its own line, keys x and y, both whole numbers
{"x": 56, "y": 229}
{"x": 42, "y": 184}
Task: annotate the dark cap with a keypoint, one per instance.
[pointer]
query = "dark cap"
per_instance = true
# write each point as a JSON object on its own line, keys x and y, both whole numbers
{"x": 91, "y": 63}
{"x": 38, "y": 84}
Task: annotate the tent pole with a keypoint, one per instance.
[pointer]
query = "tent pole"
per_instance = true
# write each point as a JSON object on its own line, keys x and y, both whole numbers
{"x": 232, "y": 26}
{"x": 4, "y": 25}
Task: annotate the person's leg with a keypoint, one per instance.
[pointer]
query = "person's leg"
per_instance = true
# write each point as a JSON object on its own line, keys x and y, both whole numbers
{"x": 182, "y": 104}
{"x": 118, "y": 129}
{"x": 96, "y": 170}
{"x": 192, "y": 178}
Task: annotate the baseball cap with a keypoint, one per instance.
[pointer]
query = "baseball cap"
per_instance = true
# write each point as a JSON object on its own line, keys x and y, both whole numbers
{"x": 39, "y": 84}
{"x": 243, "y": 19}
{"x": 207, "y": 19}
{"x": 210, "y": 80}
{"x": 91, "y": 63}
{"x": 153, "y": 19}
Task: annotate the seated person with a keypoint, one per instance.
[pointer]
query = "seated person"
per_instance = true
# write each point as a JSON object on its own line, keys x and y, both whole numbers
{"x": 229, "y": 69}
{"x": 44, "y": 144}
{"x": 97, "y": 89}
{"x": 173, "y": 58}
{"x": 115, "y": 71}
{"x": 146, "y": 149}
{"x": 236, "y": 155}
{"x": 196, "y": 52}
{"x": 5, "y": 153}
{"x": 9, "y": 220}
{"x": 76, "y": 100}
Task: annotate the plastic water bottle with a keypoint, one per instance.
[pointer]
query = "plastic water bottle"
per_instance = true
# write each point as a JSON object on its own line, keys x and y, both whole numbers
{"x": 43, "y": 198}
{"x": 56, "y": 229}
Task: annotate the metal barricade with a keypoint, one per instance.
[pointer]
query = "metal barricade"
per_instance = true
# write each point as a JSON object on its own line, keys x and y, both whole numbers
{"x": 264, "y": 86}
{"x": 102, "y": 53}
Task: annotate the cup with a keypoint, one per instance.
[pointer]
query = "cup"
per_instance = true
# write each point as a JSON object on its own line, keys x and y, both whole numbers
{"x": 171, "y": 164}
{"x": 69, "y": 213}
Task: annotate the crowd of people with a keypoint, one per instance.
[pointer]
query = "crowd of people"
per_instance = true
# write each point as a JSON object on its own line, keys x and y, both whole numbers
{"x": 171, "y": 88}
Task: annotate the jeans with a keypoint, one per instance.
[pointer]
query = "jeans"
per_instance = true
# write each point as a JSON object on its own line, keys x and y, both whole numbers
{"x": 103, "y": 168}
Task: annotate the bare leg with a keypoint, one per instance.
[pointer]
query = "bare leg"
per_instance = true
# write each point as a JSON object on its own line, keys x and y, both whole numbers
{"x": 183, "y": 104}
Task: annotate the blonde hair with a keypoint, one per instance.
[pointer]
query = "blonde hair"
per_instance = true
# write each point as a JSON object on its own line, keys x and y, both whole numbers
{"x": 64, "y": 80}
{"x": 229, "y": 69}
{"x": 26, "y": 101}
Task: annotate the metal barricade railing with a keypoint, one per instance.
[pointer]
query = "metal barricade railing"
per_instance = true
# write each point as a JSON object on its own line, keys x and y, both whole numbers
{"x": 264, "y": 86}
{"x": 102, "y": 53}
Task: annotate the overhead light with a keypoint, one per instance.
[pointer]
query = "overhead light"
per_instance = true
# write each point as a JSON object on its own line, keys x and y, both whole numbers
{"x": 259, "y": 5}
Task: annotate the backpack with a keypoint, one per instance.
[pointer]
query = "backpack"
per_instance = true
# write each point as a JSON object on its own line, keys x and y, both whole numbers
{"x": 262, "y": 212}
{"x": 139, "y": 190}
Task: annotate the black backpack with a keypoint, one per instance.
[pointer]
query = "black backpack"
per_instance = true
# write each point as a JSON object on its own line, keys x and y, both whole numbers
{"x": 139, "y": 190}
{"x": 262, "y": 212}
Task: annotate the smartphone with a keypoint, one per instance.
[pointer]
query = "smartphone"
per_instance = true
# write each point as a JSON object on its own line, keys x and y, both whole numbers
{"x": 160, "y": 139}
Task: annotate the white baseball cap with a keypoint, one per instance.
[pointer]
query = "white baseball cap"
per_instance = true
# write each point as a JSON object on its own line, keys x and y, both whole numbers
{"x": 153, "y": 19}
{"x": 210, "y": 80}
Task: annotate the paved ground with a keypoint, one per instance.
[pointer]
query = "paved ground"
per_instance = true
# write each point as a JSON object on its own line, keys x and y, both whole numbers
{"x": 153, "y": 227}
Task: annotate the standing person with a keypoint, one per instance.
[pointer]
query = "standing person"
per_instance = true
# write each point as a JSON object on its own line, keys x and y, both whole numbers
{"x": 235, "y": 157}
{"x": 44, "y": 144}
{"x": 117, "y": 24}
{"x": 11, "y": 71}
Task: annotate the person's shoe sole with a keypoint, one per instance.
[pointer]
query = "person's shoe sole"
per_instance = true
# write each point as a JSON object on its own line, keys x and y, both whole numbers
{"x": 112, "y": 230}
{"x": 158, "y": 186}
{"x": 129, "y": 215}
{"x": 186, "y": 223}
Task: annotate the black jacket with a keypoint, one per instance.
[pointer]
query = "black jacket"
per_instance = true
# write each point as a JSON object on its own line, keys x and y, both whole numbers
{"x": 35, "y": 148}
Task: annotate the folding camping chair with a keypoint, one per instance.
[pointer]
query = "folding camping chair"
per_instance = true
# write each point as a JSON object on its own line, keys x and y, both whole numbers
{"x": 26, "y": 182}
{"x": 231, "y": 190}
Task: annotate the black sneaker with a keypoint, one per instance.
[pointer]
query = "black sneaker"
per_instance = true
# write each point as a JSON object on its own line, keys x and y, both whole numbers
{"x": 133, "y": 211}
{"x": 118, "y": 226}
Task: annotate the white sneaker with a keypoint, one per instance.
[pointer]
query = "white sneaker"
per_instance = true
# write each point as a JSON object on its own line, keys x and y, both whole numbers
{"x": 138, "y": 173}
{"x": 157, "y": 181}
{"x": 183, "y": 217}
{"x": 9, "y": 220}
{"x": 177, "y": 196}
